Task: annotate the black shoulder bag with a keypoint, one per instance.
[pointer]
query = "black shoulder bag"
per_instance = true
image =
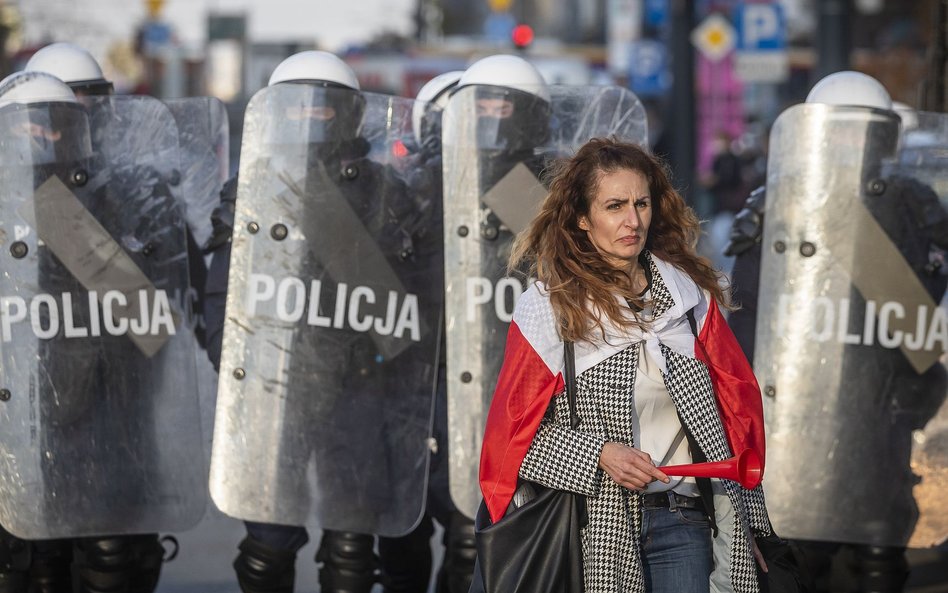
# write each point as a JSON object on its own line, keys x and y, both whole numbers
{"x": 536, "y": 546}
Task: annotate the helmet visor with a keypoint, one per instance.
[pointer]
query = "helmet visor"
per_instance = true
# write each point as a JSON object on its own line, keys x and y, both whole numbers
{"x": 41, "y": 134}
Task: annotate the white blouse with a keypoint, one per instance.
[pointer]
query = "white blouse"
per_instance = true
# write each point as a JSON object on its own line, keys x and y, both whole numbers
{"x": 656, "y": 426}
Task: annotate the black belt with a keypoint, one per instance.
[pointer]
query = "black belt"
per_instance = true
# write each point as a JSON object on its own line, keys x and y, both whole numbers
{"x": 664, "y": 499}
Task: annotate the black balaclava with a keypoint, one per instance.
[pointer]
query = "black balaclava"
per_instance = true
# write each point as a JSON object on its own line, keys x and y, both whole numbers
{"x": 505, "y": 142}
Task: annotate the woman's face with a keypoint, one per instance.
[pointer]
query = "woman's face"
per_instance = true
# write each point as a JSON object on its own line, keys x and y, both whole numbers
{"x": 619, "y": 216}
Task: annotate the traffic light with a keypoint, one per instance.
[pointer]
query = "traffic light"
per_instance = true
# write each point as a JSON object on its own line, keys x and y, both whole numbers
{"x": 522, "y": 36}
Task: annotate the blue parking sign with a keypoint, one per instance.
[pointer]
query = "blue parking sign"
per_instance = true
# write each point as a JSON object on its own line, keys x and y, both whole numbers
{"x": 656, "y": 12}
{"x": 498, "y": 26}
{"x": 761, "y": 26}
{"x": 649, "y": 74}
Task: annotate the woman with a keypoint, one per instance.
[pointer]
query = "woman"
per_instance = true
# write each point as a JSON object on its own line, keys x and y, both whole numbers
{"x": 660, "y": 380}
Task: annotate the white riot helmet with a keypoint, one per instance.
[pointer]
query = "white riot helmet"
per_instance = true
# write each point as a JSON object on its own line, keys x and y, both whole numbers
{"x": 41, "y": 120}
{"x": 27, "y": 88}
{"x": 513, "y": 102}
{"x": 315, "y": 66}
{"x": 327, "y": 97}
{"x": 430, "y": 102}
{"x": 850, "y": 88}
{"x": 878, "y": 139}
{"x": 74, "y": 66}
{"x": 512, "y": 72}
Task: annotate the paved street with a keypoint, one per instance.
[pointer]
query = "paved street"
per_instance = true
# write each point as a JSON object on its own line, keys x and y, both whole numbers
{"x": 203, "y": 564}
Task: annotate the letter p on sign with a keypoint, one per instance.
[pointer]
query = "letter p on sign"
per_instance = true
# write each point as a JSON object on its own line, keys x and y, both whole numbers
{"x": 760, "y": 27}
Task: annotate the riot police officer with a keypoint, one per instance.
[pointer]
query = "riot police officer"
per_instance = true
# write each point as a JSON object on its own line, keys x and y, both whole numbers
{"x": 96, "y": 386}
{"x": 744, "y": 244}
{"x": 350, "y": 224}
{"x": 82, "y": 73}
{"x": 406, "y": 561}
{"x": 884, "y": 231}
{"x": 47, "y": 562}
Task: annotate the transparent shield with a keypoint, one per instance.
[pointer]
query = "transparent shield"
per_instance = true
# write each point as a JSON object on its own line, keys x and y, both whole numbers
{"x": 203, "y": 137}
{"x": 333, "y": 321}
{"x": 492, "y": 189}
{"x": 99, "y": 424}
{"x": 923, "y": 156}
{"x": 850, "y": 334}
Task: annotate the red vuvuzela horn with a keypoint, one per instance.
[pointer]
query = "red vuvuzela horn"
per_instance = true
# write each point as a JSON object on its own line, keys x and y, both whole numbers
{"x": 744, "y": 468}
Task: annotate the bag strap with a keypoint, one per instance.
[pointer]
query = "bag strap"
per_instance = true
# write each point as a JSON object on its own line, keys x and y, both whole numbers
{"x": 569, "y": 358}
{"x": 692, "y": 321}
{"x": 704, "y": 484}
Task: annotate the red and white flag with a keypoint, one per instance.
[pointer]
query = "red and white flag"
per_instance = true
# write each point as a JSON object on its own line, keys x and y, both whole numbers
{"x": 533, "y": 372}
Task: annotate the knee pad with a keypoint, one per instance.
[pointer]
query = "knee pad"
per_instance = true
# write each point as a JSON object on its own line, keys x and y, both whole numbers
{"x": 102, "y": 565}
{"x": 263, "y": 569}
{"x": 459, "y": 556}
{"x": 347, "y": 562}
{"x": 881, "y": 569}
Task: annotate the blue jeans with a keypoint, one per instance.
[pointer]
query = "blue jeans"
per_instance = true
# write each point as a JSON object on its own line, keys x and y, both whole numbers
{"x": 676, "y": 550}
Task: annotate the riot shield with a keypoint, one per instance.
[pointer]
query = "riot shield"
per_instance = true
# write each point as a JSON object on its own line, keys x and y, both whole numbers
{"x": 850, "y": 335}
{"x": 331, "y": 339}
{"x": 492, "y": 190}
{"x": 924, "y": 149}
{"x": 203, "y": 136}
{"x": 98, "y": 414}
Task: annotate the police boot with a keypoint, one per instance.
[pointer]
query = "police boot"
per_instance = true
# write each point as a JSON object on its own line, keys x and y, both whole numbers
{"x": 459, "y": 556}
{"x": 51, "y": 571}
{"x": 263, "y": 569}
{"x": 147, "y": 556}
{"x": 14, "y": 581}
{"x": 406, "y": 560}
{"x": 347, "y": 562}
{"x": 102, "y": 565}
{"x": 881, "y": 569}
{"x": 14, "y": 563}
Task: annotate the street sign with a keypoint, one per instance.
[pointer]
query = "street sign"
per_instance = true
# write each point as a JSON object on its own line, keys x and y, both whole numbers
{"x": 764, "y": 66}
{"x": 761, "y": 42}
{"x": 656, "y": 13}
{"x": 498, "y": 26}
{"x": 623, "y": 28}
{"x": 649, "y": 74}
{"x": 714, "y": 37}
{"x": 156, "y": 37}
{"x": 760, "y": 27}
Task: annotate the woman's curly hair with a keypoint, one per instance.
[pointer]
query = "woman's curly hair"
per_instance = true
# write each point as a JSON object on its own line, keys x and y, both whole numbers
{"x": 554, "y": 250}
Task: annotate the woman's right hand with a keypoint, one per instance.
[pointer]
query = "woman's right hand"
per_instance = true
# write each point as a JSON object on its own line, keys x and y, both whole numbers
{"x": 629, "y": 467}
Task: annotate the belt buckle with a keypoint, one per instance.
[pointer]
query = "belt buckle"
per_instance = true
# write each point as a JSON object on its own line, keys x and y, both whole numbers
{"x": 654, "y": 500}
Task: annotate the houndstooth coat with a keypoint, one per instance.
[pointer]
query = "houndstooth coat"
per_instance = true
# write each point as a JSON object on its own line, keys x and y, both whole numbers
{"x": 554, "y": 455}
